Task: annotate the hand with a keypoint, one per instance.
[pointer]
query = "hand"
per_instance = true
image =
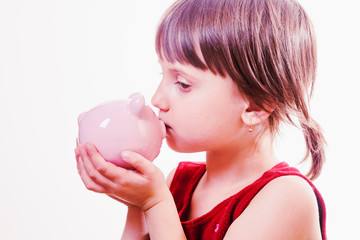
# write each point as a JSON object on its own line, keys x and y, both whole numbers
{"x": 144, "y": 187}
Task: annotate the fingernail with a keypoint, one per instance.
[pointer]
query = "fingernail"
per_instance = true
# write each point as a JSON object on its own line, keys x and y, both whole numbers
{"x": 81, "y": 149}
{"x": 125, "y": 154}
{"x": 88, "y": 146}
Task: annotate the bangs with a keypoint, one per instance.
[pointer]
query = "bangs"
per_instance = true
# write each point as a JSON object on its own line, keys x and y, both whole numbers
{"x": 266, "y": 47}
{"x": 186, "y": 35}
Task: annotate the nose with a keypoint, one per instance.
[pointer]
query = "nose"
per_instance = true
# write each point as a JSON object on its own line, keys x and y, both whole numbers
{"x": 160, "y": 100}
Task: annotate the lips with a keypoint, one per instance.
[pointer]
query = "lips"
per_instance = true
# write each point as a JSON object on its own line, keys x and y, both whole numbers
{"x": 167, "y": 127}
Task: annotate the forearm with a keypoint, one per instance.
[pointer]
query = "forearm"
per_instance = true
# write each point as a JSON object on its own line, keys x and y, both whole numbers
{"x": 163, "y": 221}
{"x": 135, "y": 227}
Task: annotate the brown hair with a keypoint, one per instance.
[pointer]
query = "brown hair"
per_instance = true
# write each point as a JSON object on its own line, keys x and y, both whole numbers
{"x": 267, "y": 47}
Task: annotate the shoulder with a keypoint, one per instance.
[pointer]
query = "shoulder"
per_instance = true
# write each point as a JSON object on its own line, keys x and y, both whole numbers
{"x": 170, "y": 177}
{"x": 285, "y": 207}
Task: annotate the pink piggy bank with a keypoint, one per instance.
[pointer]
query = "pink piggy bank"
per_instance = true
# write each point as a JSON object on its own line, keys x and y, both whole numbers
{"x": 122, "y": 125}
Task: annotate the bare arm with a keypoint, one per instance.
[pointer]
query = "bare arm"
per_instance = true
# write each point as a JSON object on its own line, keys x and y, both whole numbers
{"x": 285, "y": 209}
{"x": 162, "y": 219}
{"x": 135, "y": 227}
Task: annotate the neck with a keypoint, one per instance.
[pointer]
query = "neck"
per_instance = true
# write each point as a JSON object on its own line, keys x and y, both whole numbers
{"x": 241, "y": 163}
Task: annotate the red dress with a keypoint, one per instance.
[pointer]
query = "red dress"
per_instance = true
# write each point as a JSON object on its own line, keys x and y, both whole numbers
{"x": 214, "y": 224}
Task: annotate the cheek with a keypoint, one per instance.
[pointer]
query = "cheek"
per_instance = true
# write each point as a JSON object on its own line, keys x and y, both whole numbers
{"x": 192, "y": 114}
{"x": 199, "y": 125}
{"x": 188, "y": 130}
{"x": 202, "y": 117}
{"x": 189, "y": 123}
{"x": 195, "y": 130}
{"x": 215, "y": 122}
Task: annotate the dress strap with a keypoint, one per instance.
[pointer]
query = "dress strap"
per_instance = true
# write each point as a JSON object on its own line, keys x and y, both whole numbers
{"x": 185, "y": 180}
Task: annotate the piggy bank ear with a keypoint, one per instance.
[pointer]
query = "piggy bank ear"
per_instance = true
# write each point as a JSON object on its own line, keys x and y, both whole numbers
{"x": 136, "y": 104}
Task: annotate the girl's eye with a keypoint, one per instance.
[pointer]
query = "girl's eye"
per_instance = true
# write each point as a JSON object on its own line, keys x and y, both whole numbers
{"x": 182, "y": 84}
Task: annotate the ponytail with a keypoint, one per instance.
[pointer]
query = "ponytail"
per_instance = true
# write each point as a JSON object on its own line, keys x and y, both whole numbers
{"x": 315, "y": 143}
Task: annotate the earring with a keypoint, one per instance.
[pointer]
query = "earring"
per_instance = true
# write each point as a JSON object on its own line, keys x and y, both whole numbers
{"x": 250, "y": 128}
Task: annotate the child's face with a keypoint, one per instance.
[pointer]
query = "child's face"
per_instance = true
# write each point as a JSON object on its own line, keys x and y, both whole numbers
{"x": 202, "y": 111}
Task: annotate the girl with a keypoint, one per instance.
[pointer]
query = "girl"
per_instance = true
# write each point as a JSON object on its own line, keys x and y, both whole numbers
{"x": 233, "y": 70}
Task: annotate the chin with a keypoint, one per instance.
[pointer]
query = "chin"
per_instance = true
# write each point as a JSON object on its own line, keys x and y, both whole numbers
{"x": 182, "y": 148}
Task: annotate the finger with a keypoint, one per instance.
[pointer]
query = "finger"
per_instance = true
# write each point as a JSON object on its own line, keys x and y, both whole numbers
{"x": 106, "y": 169}
{"x": 143, "y": 165}
{"x": 79, "y": 163}
{"x": 77, "y": 157}
{"x": 119, "y": 176}
{"x": 89, "y": 184}
{"x": 92, "y": 172}
{"x": 77, "y": 153}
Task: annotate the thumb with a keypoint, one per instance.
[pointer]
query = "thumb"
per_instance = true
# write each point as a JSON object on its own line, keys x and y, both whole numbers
{"x": 143, "y": 165}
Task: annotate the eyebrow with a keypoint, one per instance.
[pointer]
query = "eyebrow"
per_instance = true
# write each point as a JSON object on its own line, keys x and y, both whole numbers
{"x": 178, "y": 70}
{"x": 181, "y": 72}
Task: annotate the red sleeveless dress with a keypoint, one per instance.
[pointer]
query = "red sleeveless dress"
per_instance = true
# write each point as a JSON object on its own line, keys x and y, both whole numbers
{"x": 214, "y": 224}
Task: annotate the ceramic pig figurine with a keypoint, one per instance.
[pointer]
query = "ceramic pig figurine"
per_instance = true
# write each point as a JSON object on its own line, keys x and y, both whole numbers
{"x": 122, "y": 125}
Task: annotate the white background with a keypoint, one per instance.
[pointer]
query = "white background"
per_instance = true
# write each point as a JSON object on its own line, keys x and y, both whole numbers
{"x": 59, "y": 58}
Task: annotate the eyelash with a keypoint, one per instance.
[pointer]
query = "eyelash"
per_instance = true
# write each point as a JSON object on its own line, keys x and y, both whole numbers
{"x": 184, "y": 86}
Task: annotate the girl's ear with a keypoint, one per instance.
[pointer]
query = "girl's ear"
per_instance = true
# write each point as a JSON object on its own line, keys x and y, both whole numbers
{"x": 254, "y": 115}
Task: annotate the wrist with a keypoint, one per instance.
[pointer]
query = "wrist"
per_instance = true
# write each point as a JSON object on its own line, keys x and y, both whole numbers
{"x": 133, "y": 208}
{"x": 163, "y": 199}
{"x": 164, "y": 211}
